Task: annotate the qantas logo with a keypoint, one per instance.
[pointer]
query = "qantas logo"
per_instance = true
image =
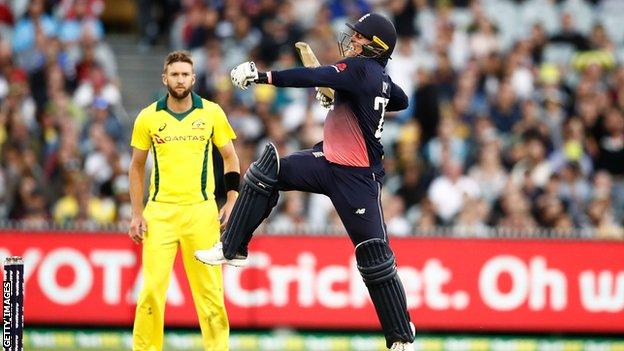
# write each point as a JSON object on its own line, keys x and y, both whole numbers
{"x": 173, "y": 138}
{"x": 158, "y": 139}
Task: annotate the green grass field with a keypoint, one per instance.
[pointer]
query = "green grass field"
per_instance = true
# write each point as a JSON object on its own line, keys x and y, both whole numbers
{"x": 100, "y": 340}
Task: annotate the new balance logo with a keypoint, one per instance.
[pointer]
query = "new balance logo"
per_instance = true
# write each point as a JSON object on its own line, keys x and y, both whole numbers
{"x": 360, "y": 211}
{"x": 318, "y": 154}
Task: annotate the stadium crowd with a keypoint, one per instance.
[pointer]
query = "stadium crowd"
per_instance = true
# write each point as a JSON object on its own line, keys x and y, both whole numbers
{"x": 515, "y": 124}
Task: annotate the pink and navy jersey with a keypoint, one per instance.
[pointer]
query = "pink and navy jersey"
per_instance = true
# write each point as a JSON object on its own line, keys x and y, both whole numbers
{"x": 364, "y": 91}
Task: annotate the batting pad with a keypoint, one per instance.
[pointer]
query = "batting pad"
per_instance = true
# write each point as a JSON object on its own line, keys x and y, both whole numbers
{"x": 376, "y": 264}
{"x": 258, "y": 196}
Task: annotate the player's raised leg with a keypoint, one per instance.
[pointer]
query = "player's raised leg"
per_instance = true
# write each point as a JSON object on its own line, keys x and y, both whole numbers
{"x": 258, "y": 195}
{"x": 160, "y": 245}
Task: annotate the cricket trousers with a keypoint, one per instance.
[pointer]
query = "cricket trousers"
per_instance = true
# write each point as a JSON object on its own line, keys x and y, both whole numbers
{"x": 355, "y": 192}
{"x": 190, "y": 227}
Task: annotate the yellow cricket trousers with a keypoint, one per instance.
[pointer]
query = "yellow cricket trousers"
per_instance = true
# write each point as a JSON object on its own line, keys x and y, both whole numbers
{"x": 191, "y": 227}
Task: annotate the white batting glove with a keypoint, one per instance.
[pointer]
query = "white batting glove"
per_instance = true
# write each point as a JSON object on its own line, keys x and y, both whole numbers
{"x": 324, "y": 100}
{"x": 244, "y": 74}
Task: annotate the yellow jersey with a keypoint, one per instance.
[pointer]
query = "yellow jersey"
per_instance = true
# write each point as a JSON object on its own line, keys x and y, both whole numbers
{"x": 181, "y": 145}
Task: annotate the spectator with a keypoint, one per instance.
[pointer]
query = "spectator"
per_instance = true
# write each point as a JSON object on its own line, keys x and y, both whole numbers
{"x": 602, "y": 221}
{"x": 611, "y": 143}
{"x": 574, "y": 190}
{"x": 396, "y": 223}
{"x": 446, "y": 141}
{"x": 488, "y": 173}
{"x": 449, "y": 191}
{"x": 27, "y": 28}
{"x": 414, "y": 183}
{"x": 549, "y": 209}
{"x": 79, "y": 22}
{"x": 97, "y": 85}
{"x": 483, "y": 38}
{"x": 505, "y": 110}
{"x": 471, "y": 219}
{"x": 405, "y": 62}
{"x": 569, "y": 35}
{"x": 533, "y": 166}
{"x": 427, "y": 107}
{"x": 533, "y": 111}
{"x": 291, "y": 216}
{"x": 516, "y": 215}
{"x": 572, "y": 149}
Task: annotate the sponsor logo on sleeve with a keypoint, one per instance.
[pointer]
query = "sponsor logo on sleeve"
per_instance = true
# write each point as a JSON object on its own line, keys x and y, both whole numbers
{"x": 339, "y": 67}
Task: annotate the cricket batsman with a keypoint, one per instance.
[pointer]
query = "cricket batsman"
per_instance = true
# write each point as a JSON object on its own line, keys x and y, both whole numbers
{"x": 180, "y": 130}
{"x": 346, "y": 166}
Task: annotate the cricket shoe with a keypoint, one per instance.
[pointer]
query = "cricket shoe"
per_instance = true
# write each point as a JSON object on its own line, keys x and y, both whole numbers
{"x": 403, "y": 345}
{"x": 214, "y": 256}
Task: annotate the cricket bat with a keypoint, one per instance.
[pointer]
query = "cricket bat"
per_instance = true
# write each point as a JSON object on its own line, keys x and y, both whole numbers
{"x": 309, "y": 60}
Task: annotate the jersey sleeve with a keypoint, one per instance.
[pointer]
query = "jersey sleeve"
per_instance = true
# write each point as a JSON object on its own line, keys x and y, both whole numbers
{"x": 222, "y": 132}
{"x": 343, "y": 75}
{"x": 141, "y": 138}
{"x": 398, "y": 99}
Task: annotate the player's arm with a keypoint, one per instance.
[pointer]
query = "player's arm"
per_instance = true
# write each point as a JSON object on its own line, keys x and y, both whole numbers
{"x": 338, "y": 77}
{"x": 231, "y": 174}
{"x": 141, "y": 142}
{"x": 324, "y": 76}
{"x": 398, "y": 100}
{"x": 136, "y": 175}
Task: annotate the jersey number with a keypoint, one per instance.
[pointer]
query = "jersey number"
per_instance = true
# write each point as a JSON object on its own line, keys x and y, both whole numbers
{"x": 380, "y": 105}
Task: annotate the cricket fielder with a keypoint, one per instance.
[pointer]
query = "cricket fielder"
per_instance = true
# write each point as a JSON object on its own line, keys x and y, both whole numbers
{"x": 347, "y": 166}
{"x": 181, "y": 211}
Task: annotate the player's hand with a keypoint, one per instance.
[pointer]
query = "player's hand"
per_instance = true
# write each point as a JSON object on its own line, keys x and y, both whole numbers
{"x": 226, "y": 210}
{"x": 138, "y": 227}
{"x": 324, "y": 100}
{"x": 244, "y": 74}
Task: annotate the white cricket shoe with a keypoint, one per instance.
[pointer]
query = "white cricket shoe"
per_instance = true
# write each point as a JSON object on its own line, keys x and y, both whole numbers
{"x": 402, "y": 345}
{"x": 214, "y": 256}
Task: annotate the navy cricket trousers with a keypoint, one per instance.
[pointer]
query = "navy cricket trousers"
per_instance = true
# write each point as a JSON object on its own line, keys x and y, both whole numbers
{"x": 354, "y": 191}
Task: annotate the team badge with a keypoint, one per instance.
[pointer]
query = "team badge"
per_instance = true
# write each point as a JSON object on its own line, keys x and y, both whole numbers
{"x": 198, "y": 124}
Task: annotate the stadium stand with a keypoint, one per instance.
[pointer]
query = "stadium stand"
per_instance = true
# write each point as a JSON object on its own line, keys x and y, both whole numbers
{"x": 515, "y": 124}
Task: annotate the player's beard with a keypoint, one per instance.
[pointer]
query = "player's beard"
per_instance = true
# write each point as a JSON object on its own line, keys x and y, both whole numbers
{"x": 178, "y": 96}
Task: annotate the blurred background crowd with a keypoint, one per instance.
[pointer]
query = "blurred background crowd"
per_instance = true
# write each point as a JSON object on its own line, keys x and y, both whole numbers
{"x": 515, "y": 124}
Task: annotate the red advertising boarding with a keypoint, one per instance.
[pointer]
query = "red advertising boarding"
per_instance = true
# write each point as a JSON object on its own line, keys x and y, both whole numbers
{"x": 312, "y": 282}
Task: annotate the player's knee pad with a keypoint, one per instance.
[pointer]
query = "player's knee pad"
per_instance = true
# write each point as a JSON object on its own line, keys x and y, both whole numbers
{"x": 262, "y": 174}
{"x": 376, "y": 264}
{"x": 258, "y": 195}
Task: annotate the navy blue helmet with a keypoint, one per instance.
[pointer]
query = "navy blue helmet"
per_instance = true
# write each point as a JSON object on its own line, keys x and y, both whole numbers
{"x": 376, "y": 28}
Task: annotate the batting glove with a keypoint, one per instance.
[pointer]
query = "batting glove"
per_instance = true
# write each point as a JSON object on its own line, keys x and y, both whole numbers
{"x": 324, "y": 100}
{"x": 244, "y": 74}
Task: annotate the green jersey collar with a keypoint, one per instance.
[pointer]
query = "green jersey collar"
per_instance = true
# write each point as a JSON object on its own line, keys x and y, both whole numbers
{"x": 161, "y": 104}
